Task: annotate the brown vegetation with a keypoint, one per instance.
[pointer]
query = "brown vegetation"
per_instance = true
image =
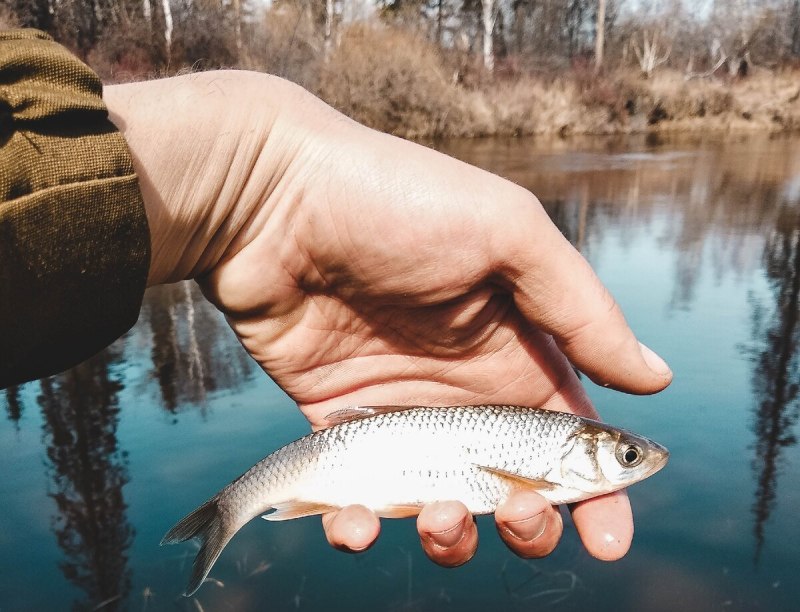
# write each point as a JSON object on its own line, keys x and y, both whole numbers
{"x": 396, "y": 82}
{"x": 419, "y": 68}
{"x": 390, "y": 80}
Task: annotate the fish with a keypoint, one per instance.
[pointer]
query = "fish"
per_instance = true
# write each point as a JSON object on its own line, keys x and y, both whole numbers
{"x": 396, "y": 459}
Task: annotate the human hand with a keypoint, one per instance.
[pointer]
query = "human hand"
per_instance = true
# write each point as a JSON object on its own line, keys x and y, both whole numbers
{"x": 360, "y": 269}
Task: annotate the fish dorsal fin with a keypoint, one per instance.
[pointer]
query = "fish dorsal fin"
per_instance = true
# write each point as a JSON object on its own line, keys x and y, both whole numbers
{"x": 539, "y": 484}
{"x": 294, "y": 508}
{"x": 356, "y": 413}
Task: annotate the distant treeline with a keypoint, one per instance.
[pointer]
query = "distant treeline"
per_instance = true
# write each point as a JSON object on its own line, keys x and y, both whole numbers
{"x": 466, "y": 67}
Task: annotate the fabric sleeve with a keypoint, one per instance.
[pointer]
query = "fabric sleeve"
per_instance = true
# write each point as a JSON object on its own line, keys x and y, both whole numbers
{"x": 74, "y": 241}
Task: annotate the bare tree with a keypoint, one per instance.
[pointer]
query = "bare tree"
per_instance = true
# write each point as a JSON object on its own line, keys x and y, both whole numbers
{"x": 237, "y": 25}
{"x": 167, "y": 26}
{"x": 600, "y": 36}
{"x": 650, "y": 55}
{"x": 716, "y": 51}
{"x": 794, "y": 28}
{"x": 30, "y": 13}
{"x": 330, "y": 16}
{"x": 147, "y": 12}
{"x": 748, "y": 28}
{"x": 574, "y": 15}
{"x": 489, "y": 18}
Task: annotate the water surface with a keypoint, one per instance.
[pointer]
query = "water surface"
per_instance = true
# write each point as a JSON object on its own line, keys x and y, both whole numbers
{"x": 698, "y": 239}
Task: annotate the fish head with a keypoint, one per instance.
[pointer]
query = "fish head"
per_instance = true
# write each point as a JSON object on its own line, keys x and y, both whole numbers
{"x": 603, "y": 458}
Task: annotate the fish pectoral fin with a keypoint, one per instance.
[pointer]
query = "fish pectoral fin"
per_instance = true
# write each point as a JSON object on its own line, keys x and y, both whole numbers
{"x": 296, "y": 508}
{"x": 399, "y": 510}
{"x": 539, "y": 484}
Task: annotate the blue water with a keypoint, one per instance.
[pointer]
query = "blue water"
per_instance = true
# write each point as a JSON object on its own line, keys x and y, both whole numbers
{"x": 699, "y": 241}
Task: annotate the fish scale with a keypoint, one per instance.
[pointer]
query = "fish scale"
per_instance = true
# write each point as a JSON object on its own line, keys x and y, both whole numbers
{"x": 394, "y": 460}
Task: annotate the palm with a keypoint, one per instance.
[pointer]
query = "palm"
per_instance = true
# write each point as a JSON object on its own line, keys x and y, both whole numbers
{"x": 394, "y": 291}
{"x": 352, "y": 354}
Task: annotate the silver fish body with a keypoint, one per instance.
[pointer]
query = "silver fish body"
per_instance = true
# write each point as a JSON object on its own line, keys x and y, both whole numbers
{"x": 394, "y": 460}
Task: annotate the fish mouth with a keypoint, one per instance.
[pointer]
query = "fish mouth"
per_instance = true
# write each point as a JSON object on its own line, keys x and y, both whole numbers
{"x": 659, "y": 456}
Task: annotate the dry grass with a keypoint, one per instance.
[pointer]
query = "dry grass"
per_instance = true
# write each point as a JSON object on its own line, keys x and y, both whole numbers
{"x": 390, "y": 80}
{"x": 764, "y": 101}
{"x": 393, "y": 81}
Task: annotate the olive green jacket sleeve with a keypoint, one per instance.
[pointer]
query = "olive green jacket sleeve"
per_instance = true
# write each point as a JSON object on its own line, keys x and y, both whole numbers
{"x": 74, "y": 241}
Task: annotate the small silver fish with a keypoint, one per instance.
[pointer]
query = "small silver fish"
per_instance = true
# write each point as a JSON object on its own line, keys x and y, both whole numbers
{"x": 395, "y": 459}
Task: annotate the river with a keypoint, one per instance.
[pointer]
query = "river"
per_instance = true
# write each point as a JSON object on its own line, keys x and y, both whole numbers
{"x": 698, "y": 238}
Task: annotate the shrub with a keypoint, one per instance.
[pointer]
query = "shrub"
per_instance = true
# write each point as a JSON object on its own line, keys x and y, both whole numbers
{"x": 8, "y": 19}
{"x": 287, "y": 42}
{"x": 390, "y": 80}
{"x": 127, "y": 54}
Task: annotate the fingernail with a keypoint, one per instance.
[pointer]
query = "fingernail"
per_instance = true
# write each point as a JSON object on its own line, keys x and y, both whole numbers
{"x": 449, "y": 537}
{"x": 654, "y": 362}
{"x": 528, "y": 529}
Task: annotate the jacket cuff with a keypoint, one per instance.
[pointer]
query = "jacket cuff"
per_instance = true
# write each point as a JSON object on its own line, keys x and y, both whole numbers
{"x": 74, "y": 241}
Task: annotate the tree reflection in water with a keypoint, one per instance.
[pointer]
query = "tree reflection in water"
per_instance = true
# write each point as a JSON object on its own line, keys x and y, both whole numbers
{"x": 193, "y": 351}
{"x": 88, "y": 471}
{"x": 13, "y": 405}
{"x": 776, "y": 373}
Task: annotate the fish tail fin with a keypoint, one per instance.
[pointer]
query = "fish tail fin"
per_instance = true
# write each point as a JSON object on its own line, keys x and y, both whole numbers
{"x": 207, "y": 524}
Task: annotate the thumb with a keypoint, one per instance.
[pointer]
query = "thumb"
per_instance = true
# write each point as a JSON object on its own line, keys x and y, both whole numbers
{"x": 556, "y": 289}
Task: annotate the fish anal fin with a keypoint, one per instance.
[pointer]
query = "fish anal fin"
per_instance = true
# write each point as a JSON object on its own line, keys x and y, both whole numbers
{"x": 399, "y": 510}
{"x": 538, "y": 484}
{"x": 295, "y": 508}
{"x": 356, "y": 413}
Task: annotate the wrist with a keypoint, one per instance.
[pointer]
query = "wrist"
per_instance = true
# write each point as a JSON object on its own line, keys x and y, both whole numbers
{"x": 209, "y": 158}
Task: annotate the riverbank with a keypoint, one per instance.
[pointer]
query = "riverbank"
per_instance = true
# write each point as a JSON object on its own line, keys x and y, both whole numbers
{"x": 397, "y": 84}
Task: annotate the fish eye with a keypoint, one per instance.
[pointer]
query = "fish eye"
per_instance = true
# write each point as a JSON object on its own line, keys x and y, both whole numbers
{"x": 629, "y": 455}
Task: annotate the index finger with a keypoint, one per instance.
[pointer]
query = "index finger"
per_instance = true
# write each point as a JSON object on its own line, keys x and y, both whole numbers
{"x": 555, "y": 288}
